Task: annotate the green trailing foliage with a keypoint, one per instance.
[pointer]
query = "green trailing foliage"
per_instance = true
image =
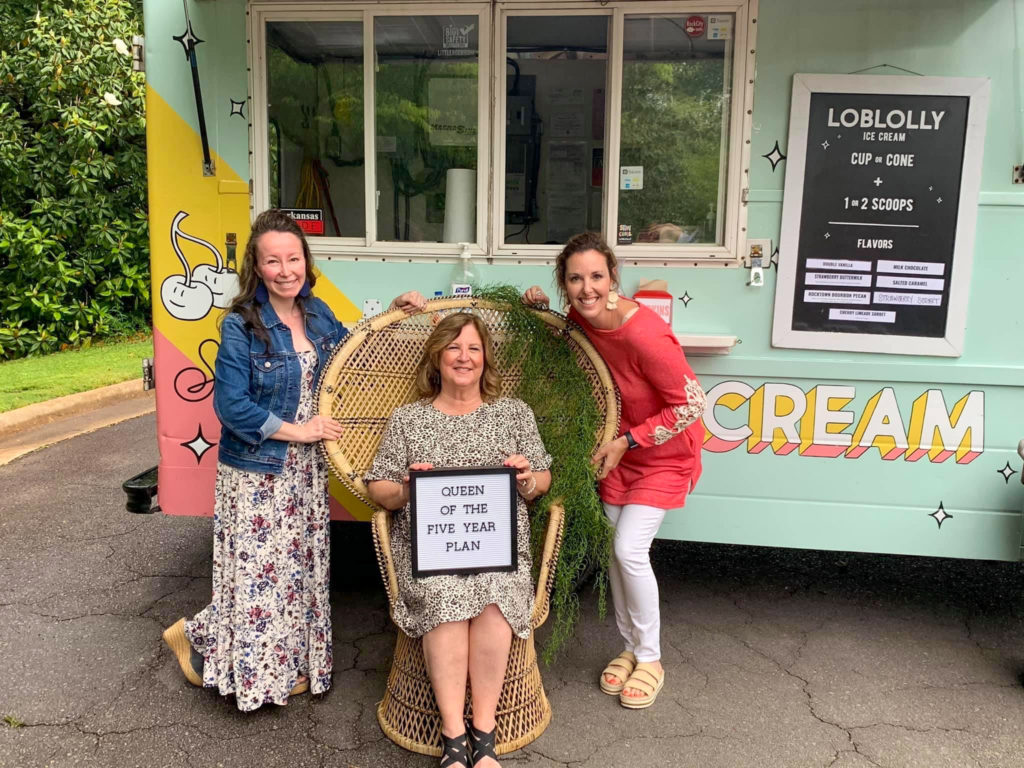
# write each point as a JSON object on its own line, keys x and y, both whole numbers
{"x": 559, "y": 393}
{"x": 74, "y": 254}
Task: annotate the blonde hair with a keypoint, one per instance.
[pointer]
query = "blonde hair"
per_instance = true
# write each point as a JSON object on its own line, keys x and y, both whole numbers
{"x": 428, "y": 371}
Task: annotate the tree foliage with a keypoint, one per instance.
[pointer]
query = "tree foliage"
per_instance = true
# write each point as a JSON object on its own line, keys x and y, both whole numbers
{"x": 74, "y": 256}
{"x": 672, "y": 126}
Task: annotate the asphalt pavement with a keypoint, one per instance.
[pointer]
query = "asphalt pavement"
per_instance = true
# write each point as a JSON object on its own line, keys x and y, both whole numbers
{"x": 774, "y": 657}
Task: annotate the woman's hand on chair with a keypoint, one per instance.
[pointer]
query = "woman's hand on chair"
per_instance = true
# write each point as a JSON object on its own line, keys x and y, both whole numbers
{"x": 409, "y": 302}
{"x": 319, "y": 428}
{"x": 535, "y": 297}
{"x": 608, "y": 456}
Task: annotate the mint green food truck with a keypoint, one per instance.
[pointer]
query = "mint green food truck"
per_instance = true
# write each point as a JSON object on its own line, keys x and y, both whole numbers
{"x": 830, "y": 192}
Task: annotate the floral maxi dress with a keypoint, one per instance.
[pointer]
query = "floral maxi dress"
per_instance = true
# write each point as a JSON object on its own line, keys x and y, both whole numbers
{"x": 270, "y": 618}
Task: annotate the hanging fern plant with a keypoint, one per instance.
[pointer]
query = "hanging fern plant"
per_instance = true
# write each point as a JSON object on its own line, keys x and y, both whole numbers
{"x": 559, "y": 393}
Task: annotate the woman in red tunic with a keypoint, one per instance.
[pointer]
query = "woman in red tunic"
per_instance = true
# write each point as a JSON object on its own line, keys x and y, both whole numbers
{"x": 654, "y": 462}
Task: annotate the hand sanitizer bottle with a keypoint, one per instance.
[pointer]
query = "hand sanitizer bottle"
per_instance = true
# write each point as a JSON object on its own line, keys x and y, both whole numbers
{"x": 464, "y": 274}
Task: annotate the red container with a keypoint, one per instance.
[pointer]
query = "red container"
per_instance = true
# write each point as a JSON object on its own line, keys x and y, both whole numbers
{"x": 659, "y": 301}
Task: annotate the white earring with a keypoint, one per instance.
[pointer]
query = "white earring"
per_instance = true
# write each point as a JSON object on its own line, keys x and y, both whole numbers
{"x": 613, "y": 301}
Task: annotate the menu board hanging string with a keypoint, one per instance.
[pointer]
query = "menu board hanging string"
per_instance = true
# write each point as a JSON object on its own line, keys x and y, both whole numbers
{"x": 882, "y": 66}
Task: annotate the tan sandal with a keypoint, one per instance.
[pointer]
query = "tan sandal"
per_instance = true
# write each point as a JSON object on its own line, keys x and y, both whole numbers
{"x": 176, "y": 640}
{"x": 622, "y": 667}
{"x": 300, "y": 687}
{"x": 646, "y": 679}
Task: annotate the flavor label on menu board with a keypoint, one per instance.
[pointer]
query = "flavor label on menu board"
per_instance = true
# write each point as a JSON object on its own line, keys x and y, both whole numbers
{"x": 879, "y": 212}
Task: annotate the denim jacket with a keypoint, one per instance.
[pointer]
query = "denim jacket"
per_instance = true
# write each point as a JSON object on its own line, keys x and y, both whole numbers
{"x": 257, "y": 386}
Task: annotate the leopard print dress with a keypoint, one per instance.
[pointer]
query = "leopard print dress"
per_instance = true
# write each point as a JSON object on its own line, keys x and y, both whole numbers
{"x": 418, "y": 432}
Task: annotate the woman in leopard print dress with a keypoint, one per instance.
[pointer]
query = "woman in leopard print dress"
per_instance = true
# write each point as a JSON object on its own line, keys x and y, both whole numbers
{"x": 466, "y": 621}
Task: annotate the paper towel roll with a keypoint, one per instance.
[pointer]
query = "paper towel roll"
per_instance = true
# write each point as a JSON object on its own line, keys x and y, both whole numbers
{"x": 460, "y": 206}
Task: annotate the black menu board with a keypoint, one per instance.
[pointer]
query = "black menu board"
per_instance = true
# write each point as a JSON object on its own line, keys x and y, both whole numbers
{"x": 881, "y": 186}
{"x": 871, "y": 248}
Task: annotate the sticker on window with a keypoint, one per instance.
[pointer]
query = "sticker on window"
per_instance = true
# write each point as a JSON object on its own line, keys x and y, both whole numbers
{"x": 456, "y": 40}
{"x": 719, "y": 27}
{"x": 695, "y": 26}
{"x": 631, "y": 177}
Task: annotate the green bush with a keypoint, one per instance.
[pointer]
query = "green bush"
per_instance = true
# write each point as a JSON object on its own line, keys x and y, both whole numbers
{"x": 74, "y": 254}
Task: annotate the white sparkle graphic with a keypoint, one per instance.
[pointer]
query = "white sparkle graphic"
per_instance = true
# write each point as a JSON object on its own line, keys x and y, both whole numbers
{"x": 686, "y": 299}
{"x": 775, "y": 156}
{"x": 825, "y": 144}
{"x": 940, "y": 515}
{"x": 199, "y": 445}
{"x": 1007, "y": 472}
{"x": 878, "y": 181}
{"x": 827, "y": 235}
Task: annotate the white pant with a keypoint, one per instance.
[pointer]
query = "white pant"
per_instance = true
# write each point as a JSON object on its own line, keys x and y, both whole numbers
{"x": 634, "y": 588}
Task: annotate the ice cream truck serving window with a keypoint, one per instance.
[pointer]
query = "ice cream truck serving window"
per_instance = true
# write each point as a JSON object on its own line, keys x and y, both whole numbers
{"x": 423, "y": 131}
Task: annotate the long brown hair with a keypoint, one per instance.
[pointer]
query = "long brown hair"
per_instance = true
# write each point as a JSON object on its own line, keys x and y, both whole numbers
{"x": 245, "y": 304}
{"x": 585, "y": 241}
{"x": 428, "y": 371}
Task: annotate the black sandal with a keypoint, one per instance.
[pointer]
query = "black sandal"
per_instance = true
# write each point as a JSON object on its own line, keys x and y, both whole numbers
{"x": 454, "y": 751}
{"x": 481, "y": 744}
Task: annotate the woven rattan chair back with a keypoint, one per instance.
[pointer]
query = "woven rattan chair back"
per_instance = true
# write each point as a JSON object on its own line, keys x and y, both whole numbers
{"x": 370, "y": 375}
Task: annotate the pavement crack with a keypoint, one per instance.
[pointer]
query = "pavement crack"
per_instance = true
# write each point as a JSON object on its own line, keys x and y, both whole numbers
{"x": 910, "y": 728}
{"x": 79, "y": 540}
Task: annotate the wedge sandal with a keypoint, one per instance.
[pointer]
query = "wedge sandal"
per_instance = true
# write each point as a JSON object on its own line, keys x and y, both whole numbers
{"x": 300, "y": 687}
{"x": 648, "y": 681}
{"x": 182, "y": 649}
{"x": 622, "y": 667}
{"x": 454, "y": 752}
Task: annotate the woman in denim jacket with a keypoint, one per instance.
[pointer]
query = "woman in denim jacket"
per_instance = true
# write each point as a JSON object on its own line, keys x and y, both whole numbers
{"x": 266, "y": 634}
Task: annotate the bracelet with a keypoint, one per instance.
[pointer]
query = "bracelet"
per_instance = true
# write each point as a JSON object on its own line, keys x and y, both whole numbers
{"x": 631, "y": 443}
{"x": 527, "y": 491}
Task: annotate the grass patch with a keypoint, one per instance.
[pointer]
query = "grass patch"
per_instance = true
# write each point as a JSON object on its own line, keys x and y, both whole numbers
{"x": 12, "y": 722}
{"x": 35, "y": 379}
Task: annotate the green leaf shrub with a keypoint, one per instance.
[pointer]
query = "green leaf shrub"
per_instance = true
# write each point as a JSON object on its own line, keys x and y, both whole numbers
{"x": 74, "y": 251}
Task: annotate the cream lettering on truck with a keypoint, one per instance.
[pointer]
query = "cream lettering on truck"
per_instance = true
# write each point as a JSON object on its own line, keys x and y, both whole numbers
{"x": 819, "y": 423}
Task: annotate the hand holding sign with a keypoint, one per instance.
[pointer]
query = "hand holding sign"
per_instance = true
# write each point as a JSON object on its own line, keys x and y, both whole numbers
{"x": 525, "y": 481}
{"x": 423, "y": 466}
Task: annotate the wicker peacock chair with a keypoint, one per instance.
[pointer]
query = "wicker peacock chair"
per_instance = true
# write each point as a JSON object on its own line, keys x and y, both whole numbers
{"x": 371, "y": 374}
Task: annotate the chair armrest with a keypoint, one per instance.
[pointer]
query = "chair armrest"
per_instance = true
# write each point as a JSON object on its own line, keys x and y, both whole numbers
{"x": 381, "y": 525}
{"x": 548, "y": 561}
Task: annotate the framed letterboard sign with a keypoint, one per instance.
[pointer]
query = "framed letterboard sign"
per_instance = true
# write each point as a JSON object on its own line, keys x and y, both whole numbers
{"x": 463, "y": 520}
{"x": 879, "y": 211}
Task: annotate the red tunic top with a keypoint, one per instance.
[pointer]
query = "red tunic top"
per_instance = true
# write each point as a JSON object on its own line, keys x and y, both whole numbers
{"x": 662, "y": 403}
